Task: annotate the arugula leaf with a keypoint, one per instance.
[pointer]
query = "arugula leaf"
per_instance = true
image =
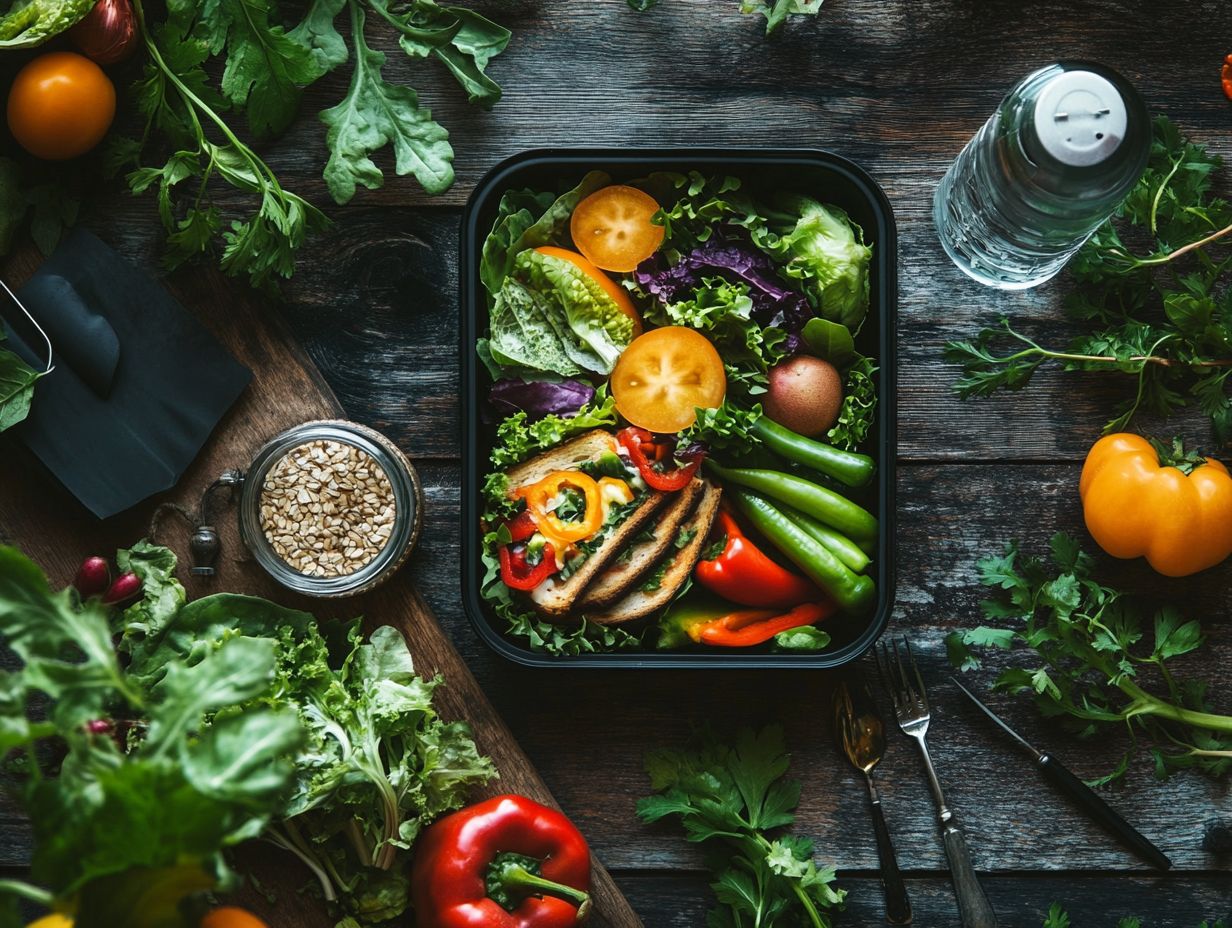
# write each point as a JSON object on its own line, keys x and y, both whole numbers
{"x": 375, "y": 113}
{"x": 1084, "y": 656}
{"x": 733, "y": 796}
{"x": 265, "y": 68}
{"x": 317, "y": 33}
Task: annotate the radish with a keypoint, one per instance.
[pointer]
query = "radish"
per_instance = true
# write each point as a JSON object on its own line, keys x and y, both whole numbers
{"x": 125, "y": 590}
{"x": 93, "y": 577}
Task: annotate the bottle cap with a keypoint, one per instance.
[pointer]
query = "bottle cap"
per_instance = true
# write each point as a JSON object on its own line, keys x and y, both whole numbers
{"x": 1080, "y": 118}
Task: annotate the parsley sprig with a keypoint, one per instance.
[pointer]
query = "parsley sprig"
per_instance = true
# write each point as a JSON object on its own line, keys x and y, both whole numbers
{"x": 733, "y": 797}
{"x": 1058, "y": 918}
{"x": 1154, "y": 299}
{"x": 1092, "y": 660}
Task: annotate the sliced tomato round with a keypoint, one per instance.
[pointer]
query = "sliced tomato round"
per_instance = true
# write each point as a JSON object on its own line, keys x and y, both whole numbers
{"x": 619, "y": 295}
{"x": 663, "y": 378}
{"x": 612, "y": 228}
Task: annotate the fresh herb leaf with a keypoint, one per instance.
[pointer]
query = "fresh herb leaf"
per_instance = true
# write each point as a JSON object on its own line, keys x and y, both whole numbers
{"x": 777, "y": 11}
{"x": 734, "y": 797}
{"x": 17, "y": 379}
{"x": 1087, "y": 655}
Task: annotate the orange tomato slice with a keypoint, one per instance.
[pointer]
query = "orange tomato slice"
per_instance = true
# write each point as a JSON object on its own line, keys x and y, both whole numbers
{"x": 612, "y": 228}
{"x": 619, "y": 295}
{"x": 664, "y": 376}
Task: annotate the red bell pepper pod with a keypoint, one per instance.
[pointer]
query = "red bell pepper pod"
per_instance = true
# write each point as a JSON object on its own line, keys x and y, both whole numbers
{"x": 517, "y": 574}
{"x": 744, "y": 574}
{"x": 508, "y": 862}
{"x": 744, "y": 629}
{"x": 645, "y": 452}
{"x": 521, "y": 526}
{"x": 1225, "y": 75}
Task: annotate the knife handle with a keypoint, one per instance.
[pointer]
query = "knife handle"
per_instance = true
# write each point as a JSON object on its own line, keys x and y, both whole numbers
{"x": 897, "y": 905}
{"x": 1093, "y": 804}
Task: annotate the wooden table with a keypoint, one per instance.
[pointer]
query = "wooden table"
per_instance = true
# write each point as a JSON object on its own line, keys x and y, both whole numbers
{"x": 899, "y": 87}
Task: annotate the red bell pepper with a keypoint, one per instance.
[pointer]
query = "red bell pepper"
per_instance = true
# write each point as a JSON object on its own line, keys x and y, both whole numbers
{"x": 645, "y": 452}
{"x": 744, "y": 629}
{"x": 505, "y": 863}
{"x": 522, "y": 526}
{"x": 517, "y": 574}
{"x": 744, "y": 574}
{"x": 1225, "y": 75}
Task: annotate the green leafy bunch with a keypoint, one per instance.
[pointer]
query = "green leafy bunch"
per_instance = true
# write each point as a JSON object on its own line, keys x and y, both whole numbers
{"x": 1153, "y": 298}
{"x": 1090, "y": 657}
{"x": 735, "y": 800}
{"x": 377, "y": 764}
{"x": 265, "y": 68}
{"x": 1058, "y": 918}
{"x": 134, "y": 813}
{"x": 17, "y": 380}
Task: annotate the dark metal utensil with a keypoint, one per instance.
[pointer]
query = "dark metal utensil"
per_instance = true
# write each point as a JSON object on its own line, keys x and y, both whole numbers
{"x": 861, "y": 737}
{"x": 906, "y": 687}
{"x": 1087, "y": 799}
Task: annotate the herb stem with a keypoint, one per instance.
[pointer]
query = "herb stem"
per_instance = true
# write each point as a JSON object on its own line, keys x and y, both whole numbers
{"x": 287, "y": 843}
{"x": 1157, "y": 260}
{"x": 1146, "y": 704}
{"x": 35, "y": 894}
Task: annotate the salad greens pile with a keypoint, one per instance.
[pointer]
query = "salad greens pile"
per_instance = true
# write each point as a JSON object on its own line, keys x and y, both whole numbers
{"x": 1154, "y": 298}
{"x": 1094, "y": 662}
{"x": 32, "y": 22}
{"x": 733, "y": 798}
{"x": 243, "y": 719}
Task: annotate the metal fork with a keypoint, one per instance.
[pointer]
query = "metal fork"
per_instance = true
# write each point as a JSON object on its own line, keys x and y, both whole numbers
{"x": 906, "y": 689}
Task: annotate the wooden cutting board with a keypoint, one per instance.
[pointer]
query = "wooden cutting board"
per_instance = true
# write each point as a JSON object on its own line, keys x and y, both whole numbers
{"x": 40, "y": 517}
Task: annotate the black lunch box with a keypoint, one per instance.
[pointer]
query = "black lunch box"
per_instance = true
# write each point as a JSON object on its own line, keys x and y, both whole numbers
{"x": 820, "y": 174}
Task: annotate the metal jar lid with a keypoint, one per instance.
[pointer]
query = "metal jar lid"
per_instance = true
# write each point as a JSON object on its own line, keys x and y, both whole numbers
{"x": 408, "y": 508}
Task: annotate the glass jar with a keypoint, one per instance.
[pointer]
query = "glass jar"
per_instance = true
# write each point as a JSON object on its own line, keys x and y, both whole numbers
{"x": 404, "y": 487}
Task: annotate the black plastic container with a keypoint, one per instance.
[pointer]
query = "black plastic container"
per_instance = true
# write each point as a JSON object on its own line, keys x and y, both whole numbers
{"x": 819, "y": 174}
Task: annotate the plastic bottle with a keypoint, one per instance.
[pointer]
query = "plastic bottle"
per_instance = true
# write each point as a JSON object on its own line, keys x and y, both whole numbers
{"x": 1051, "y": 164}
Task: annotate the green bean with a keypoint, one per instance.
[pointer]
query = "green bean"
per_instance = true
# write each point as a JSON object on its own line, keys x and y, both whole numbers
{"x": 834, "y": 510}
{"x": 852, "y": 592}
{"x": 847, "y": 467}
{"x": 840, "y": 546}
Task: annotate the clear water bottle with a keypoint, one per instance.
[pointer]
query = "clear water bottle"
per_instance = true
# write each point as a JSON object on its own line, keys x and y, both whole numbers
{"x": 1057, "y": 157}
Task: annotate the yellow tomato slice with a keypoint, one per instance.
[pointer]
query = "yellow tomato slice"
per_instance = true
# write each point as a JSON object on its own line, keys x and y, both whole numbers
{"x": 612, "y": 228}
{"x": 619, "y": 295}
{"x": 665, "y": 376}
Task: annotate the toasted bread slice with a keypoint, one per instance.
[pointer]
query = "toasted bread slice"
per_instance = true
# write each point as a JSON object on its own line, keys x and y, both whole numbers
{"x": 554, "y": 599}
{"x": 589, "y": 446}
{"x": 639, "y": 556}
{"x": 640, "y": 603}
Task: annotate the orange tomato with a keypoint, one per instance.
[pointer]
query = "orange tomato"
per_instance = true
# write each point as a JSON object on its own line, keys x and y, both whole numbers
{"x": 612, "y": 228}
{"x": 619, "y": 295}
{"x": 664, "y": 376}
{"x": 60, "y": 106}
{"x": 228, "y": 916}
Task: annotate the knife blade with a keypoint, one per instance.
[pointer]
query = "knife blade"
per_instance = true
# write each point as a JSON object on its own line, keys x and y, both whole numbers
{"x": 1086, "y": 798}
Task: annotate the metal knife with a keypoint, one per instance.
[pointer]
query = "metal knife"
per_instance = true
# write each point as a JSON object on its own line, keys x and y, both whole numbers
{"x": 1089, "y": 800}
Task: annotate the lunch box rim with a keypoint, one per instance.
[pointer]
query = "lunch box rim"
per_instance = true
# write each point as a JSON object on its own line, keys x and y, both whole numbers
{"x": 734, "y": 160}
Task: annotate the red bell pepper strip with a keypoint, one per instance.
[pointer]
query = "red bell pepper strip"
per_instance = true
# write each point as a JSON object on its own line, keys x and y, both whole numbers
{"x": 744, "y": 629}
{"x": 645, "y": 452}
{"x": 744, "y": 574}
{"x": 1225, "y": 75}
{"x": 521, "y": 526}
{"x": 517, "y": 574}
{"x": 507, "y": 862}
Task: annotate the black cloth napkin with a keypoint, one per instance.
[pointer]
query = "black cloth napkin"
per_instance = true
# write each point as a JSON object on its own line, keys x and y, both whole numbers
{"x": 138, "y": 384}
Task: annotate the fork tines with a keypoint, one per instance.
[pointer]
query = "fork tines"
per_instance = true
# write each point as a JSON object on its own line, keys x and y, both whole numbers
{"x": 902, "y": 680}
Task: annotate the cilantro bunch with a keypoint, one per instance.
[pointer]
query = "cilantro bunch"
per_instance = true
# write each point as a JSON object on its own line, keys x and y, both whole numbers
{"x": 1090, "y": 657}
{"x": 1153, "y": 299}
{"x": 733, "y": 798}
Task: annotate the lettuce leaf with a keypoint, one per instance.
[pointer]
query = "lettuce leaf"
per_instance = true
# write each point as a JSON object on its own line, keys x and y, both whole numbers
{"x": 528, "y": 219}
{"x": 550, "y": 316}
{"x": 821, "y": 248}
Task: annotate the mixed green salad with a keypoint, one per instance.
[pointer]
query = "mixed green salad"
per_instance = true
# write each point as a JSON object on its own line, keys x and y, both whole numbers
{"x": 679, "y": 416}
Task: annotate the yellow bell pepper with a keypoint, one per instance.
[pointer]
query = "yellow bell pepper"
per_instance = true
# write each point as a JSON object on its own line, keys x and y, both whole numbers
{"x": 1142, "y": 500}
{"x": 556, "y": 530}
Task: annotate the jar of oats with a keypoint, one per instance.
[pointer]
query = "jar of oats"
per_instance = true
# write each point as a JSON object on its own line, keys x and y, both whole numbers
{"x": 330, "y": 508}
